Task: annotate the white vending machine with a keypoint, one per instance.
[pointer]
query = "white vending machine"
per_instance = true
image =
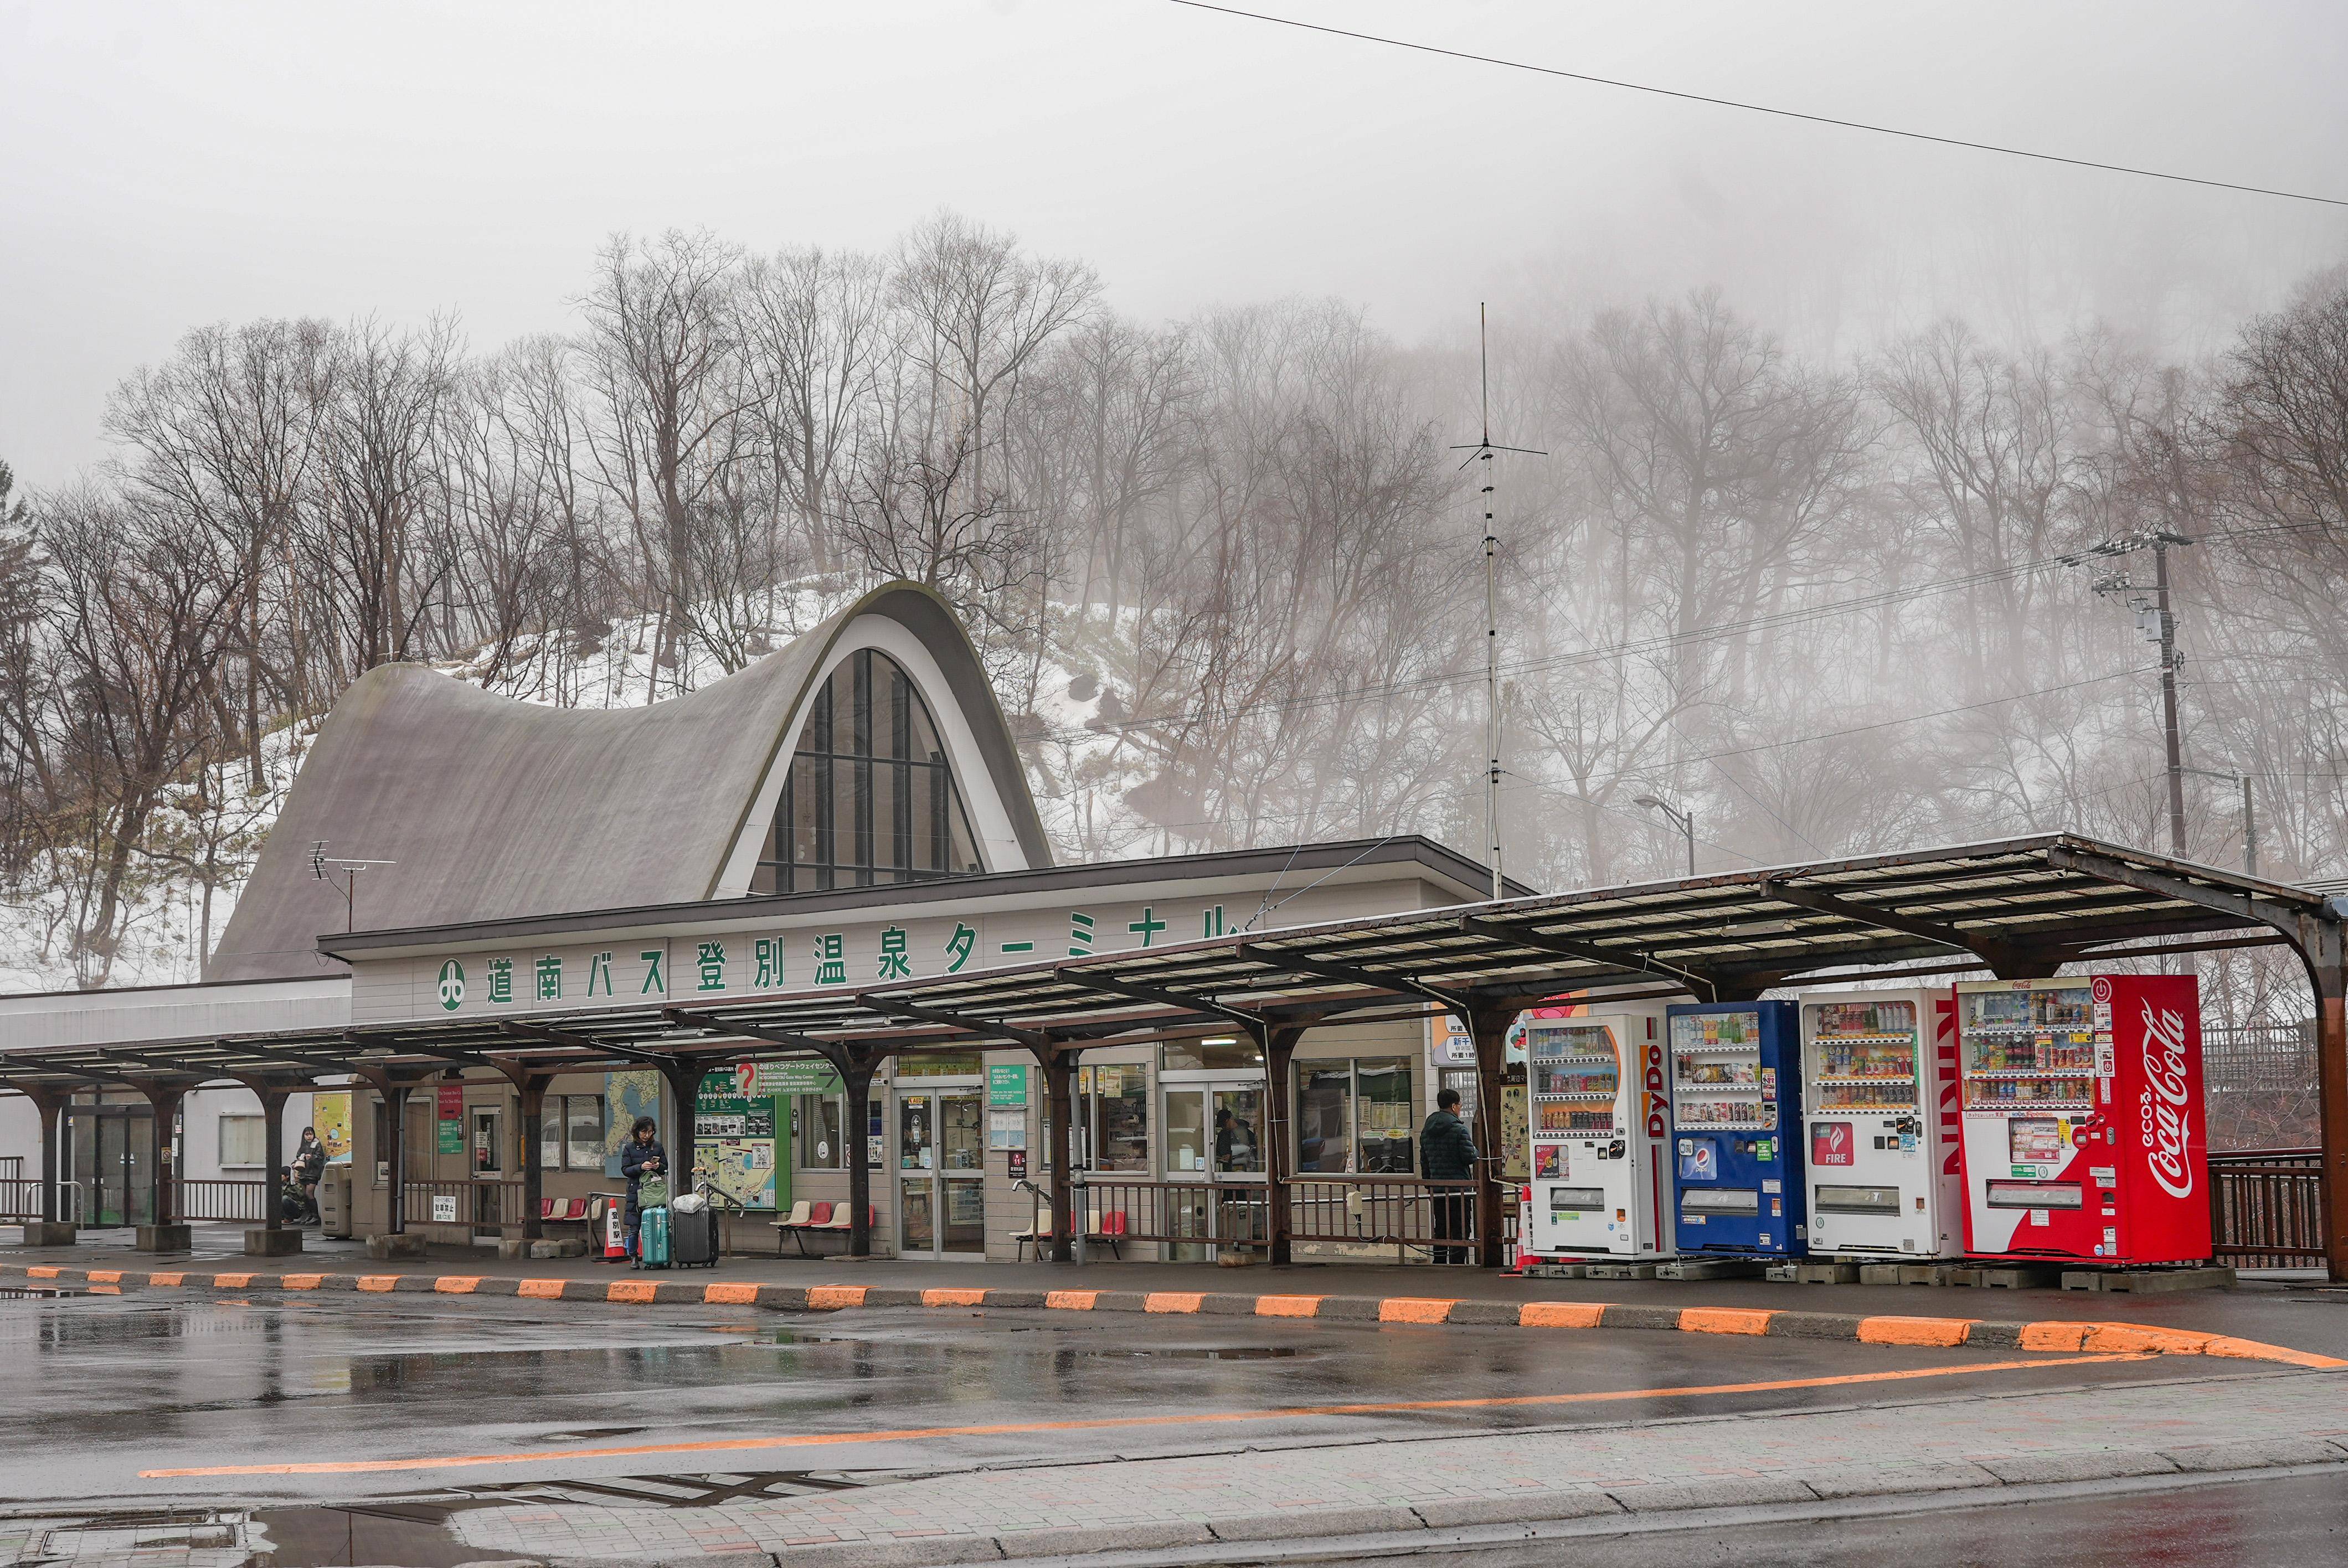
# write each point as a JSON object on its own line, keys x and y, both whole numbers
{"x": 1600, "y": 1128}
{"x": 1880, "y": 1111}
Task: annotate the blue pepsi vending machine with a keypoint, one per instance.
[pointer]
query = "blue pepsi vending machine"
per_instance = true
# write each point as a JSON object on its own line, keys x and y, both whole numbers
{"x": 1738, "y": 1185}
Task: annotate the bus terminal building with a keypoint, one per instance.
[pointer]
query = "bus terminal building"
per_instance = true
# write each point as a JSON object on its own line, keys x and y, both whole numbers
{"x": 807, "y": 918}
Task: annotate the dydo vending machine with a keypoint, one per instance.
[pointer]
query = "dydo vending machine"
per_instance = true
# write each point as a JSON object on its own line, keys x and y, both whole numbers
{"x": 1599, "y": 1134}
{"x": 1880, "y": 1108}
{"x": 1736, "y": 1160}
{"x": 2083, "y": 1125}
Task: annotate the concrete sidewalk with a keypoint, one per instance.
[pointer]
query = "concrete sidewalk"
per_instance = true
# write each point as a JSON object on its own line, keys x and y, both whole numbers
{"x": 1439, "y": 1489}
{"x": 2291, "y": 1312}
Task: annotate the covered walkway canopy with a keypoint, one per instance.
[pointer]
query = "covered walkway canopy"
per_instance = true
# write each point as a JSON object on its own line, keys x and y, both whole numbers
{"x": 2018, "y": 908}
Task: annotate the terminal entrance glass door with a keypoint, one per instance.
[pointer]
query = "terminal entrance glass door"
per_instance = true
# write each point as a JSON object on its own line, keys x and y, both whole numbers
{"x": 110, "y": 1161}
{"x": 941, "y": 1174}
{"x": 1216, "y": 1132}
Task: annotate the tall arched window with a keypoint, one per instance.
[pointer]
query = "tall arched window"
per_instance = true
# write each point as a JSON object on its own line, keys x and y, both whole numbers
{"x": 868, "y": 798}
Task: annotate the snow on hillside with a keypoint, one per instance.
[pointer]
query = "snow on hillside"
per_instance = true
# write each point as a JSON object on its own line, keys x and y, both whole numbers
{"x": 211, "y": 834}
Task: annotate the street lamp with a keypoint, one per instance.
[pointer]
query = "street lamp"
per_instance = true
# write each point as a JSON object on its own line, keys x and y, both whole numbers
{"x": 1682, "y": 820}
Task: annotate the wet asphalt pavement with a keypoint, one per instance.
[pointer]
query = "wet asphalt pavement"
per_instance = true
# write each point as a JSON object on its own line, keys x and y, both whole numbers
{"x": 105, "y": 1387}
{"x": 2289, "y": 1522}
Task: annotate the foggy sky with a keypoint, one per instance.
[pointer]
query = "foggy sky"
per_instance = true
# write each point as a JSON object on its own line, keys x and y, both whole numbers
{"x": 162, "y": 167}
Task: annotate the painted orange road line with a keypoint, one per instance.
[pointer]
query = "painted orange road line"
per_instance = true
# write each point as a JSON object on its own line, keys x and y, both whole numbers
{"x": 1724, "y": 1320}
{"x": 831, "y": 1297}
{"x": 639, "y": 1291}
{"x": 1172, "y": 1300}
{"x": 456, "y": 1284}
{"x": 231, "y": 1281}
{"x": 302, "y": 1281}
{"x": 43, "y": 1271}
{"x": 1067, "y": 1300}
{"x": 1287, "y": 1307}
{"x": 377, "y": 1281}
{"x": 1010, "y": 1429}
{"x": 730, "y": 1294}
{"x": 104, "y": 1276}
{"x": 542, "y": 1289}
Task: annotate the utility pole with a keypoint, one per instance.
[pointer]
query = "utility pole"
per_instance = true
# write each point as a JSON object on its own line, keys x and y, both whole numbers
{"x": 2155, "y": 620}
{"x": 1682, "y": 820}
{"x": 1481, "y": 452}
{"x": 2169, "y": 696}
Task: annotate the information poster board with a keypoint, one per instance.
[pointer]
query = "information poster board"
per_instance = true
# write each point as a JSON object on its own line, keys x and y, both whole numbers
{"x": 451, "y": 1126}
{"x": 734, "y": 1139}
{"x": 331, "y": 1116}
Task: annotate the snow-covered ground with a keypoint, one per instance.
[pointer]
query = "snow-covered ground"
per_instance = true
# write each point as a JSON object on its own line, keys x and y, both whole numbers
{"x": 1079, "y": 775}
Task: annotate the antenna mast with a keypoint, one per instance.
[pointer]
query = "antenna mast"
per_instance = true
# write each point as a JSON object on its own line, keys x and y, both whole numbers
{"x": 1481, "y": 453}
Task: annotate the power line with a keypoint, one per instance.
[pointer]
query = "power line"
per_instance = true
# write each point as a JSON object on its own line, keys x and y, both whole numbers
{"x": 1766, "y": 108}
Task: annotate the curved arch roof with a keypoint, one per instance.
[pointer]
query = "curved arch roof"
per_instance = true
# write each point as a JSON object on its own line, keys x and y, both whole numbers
{"x": 493, "y": 808}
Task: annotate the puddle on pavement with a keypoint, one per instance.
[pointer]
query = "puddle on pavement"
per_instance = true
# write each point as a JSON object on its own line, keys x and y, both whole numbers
{"x": 37, "y": 1292}
{"x": 1196, "y": 1353}
{"x": 411, "y": 1531}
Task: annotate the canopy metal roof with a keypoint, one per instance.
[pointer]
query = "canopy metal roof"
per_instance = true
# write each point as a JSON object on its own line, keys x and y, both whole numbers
{"x": 2019, "y": 907}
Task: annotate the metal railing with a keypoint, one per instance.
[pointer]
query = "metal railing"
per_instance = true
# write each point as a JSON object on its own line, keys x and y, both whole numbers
{"x": 20, "y": 1199}
{"x": 1208, "y": 1213}
{"x": 2266, "y": 1207}
{"x": 221, "y": 1198}
{"x": 484, "y": 1205}
{"x": 1424, "y": 1221}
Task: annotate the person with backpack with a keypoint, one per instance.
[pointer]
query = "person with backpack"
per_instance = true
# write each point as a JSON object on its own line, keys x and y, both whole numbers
{"x": 1446, "y": 1153}
{"x": 640, "y": 1157}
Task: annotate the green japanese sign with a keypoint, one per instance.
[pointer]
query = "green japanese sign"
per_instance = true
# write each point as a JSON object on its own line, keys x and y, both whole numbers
{"x": 452, "y": 1137}
{"x": 1006, "y": 1084}
{"x": 798, "y": 1078}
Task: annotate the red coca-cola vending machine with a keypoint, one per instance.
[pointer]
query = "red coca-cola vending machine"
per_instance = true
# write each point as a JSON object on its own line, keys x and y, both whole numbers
{"x": 2083, "y": 1131}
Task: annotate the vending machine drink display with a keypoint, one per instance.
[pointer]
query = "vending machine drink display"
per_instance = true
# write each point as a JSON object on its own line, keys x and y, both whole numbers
{"x": 2083, "y": 1128}
{"x": 1599, "y": 1125}
{"x": 1879, "y": 1109}
{"x": 1736, "y": 1164}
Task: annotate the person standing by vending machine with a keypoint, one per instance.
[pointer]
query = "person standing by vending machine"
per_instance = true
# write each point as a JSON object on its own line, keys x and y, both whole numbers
{"x": 1446, "y": 1153}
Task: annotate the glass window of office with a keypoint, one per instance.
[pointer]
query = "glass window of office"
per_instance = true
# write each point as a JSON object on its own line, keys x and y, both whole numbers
{"x": 869, "y": 798}
{"x": 1355, "y": 1116}
{"x": 815, "y": 1122}
{"x": 571, "y": 1133}
{"x": 1215, "y": 1054}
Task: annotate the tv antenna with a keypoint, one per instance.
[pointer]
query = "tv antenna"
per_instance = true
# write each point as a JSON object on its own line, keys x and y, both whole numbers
{"x": 323, "y": 867}
{"x": 1482, "y": 451}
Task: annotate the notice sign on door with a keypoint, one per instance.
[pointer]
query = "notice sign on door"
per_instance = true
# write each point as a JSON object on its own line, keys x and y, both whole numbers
{"x": 1831, "y": 1143}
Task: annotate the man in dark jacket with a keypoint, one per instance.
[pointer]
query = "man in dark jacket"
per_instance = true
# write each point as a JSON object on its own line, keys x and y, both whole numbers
{"x": 1446, "y": 1153}
{"x": 641, "y": 1156}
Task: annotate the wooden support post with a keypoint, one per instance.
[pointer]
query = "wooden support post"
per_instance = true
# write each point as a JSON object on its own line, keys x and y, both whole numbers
{"x": 1060, "y": 1108}
{"x": 532, "y": 1092}
{"x": 1279, "y": 1043}
{"x": 396, "y": 1209}
{"x": 56, "y": 1164}
{"x": 164, "y": 1101}
{"x": 856, "y": 1070}
{"x": 1490, "y": 1029}
{"x": 685, "y": 1089}
{"x": 273, "y": 1146}
{"x": 2322, "y": 946}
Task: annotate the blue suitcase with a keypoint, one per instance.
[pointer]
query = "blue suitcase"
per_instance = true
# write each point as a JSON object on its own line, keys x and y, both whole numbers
{"x": 652, "y": 1238}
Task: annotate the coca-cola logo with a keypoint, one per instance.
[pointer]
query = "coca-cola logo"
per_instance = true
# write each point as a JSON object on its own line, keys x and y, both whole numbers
{"x": 2165, "y": 1122}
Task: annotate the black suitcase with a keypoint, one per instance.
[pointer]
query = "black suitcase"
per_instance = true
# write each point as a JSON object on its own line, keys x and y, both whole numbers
{"x": 693, "y": 1238}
